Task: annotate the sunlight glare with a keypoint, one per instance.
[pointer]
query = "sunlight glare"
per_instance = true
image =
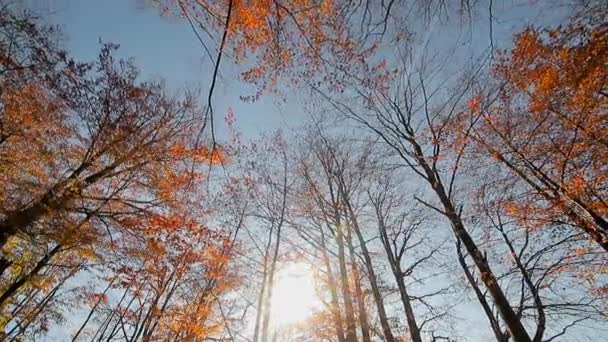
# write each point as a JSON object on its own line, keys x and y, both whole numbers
{"x": 294, "y": 296}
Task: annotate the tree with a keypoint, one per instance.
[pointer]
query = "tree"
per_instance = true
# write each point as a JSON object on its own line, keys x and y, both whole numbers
{"x": 317, "y": 166}
{"x": 171, "y": 275}
{"x": 544, "y": 268}
{"x": 414, "y": 127}
{"x": 90, "y": 155}
{"x": 405, "y": 240}
{"x": 268, "y": 167}
{"x": 546, "y": 125}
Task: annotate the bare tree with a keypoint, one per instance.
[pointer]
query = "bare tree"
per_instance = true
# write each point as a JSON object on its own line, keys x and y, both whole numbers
{"x": 412, "y": 121}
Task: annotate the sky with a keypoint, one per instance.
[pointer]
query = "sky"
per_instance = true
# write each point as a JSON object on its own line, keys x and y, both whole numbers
{"x": 167, "y": 48}
{"x": 162, "y": 48}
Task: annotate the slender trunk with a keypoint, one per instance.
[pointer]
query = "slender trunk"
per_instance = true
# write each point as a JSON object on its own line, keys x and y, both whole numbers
{"x": 112, "y": 332}
{"x": 4, "y": 265}
{"x": 260, "y": 308}
{"x": 351, "y": 334}
{"x": 395, "y": 263}
{"x": 152, "y": 313}
{"x": 512, "y": 322}
{"x": 15, "y": 286}
{"x": 498, "y": 333}
{"x": 258, "y": 315}
{"x": 409, "y": 310}
{"x": 538, "y": 303}
{"x": 140, "y": 325}
{"x": 106, "y": 323}
{"x": 386, "y": 329}
{"x": 331, "y": 281}
{"x": 19, "y": 328}
{"x": 148, "y": 333}
{"x": 592, "y": 224}
{"x": 54, "y": 199}
{"x": 363, "y": 320}
{"x": 554, "y": 189}
{"x": 92, "y": 311}
{"x": 28, "y": 297}
{"x": 119, "y": 321}
{"x": 275, "y": 256}
{"x": 272, "y": 272}
{"x": 268, "y": 299}
{"x": 598, "y": 237}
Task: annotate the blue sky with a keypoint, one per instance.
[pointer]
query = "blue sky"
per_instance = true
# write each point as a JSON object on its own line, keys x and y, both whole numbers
{"x": 162, "y": 48}
{"x": 167, "y": 48}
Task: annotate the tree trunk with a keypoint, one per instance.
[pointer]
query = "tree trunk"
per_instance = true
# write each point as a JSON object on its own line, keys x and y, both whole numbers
{"x": 407, "y": 306}
{"x": 512, "y": 322}
{"x": 498, "y": 333}
{"x": 516, "y": 329}
{"x": 92, "y": 311}
{"x": 262, "y": 295}
{"x": 395, "y": 263}
{"x": 538, "y": 303}
{"x": 592, "y": 224}
{"x": 106, "y": 323}
{"x": 258, "y": 315}
{"x": 386, "y": 329}
{"x": 17, "y": 221}
{"x": 20, "y": 328}
{"x": 150, "y": 331}
{"x": 14, "y": 287}
{"x": 270, "y": 284}
{"x": 4, "y": 265}
{"x": 363, "y": 320}
{"x": 351, "y": 334}
{"x": 331, "y": 280}
{"x": 55, "y": 198}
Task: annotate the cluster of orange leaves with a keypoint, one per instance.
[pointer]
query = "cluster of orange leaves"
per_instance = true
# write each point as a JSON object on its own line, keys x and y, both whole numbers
{"x": 31, "y": 129}
{"x": 298, "y": 41}
{"x": 550, "y": 118}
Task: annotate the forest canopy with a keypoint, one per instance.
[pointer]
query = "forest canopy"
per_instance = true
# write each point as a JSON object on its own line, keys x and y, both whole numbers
{"x": 442, "y": 176}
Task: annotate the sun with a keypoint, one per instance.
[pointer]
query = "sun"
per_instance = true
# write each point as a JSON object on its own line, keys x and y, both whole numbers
{"x": 294, "y": 298}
